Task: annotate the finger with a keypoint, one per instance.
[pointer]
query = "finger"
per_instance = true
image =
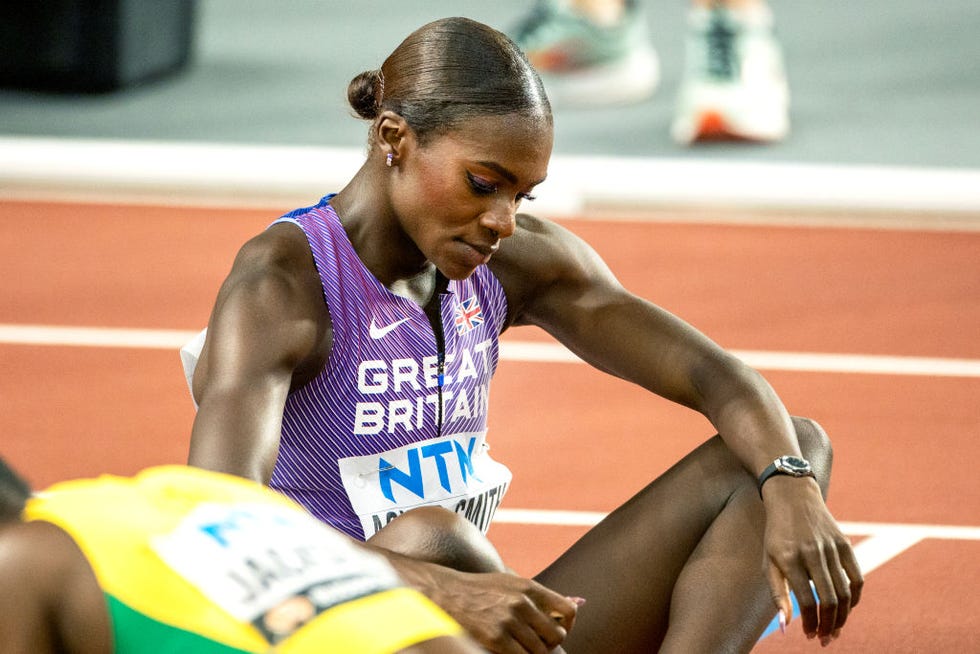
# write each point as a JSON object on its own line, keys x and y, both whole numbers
{"x": 819, "y": 561}
{"x": 529, "y": 636}
{"x": 842, "y": 588}
{"x": 546, "y": 627}
{"x": 828, "y": 603}
{"x": 501, "y": 643}
{"x": 780, "y": 593}
{"x": 567, "y": 618}
{"x": 557, "y": 607}
{"x": 853, "y": 570}
{"x": 799, "y": 582}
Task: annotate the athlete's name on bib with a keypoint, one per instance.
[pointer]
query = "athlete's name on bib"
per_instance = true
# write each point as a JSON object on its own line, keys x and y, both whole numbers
{"x": 248, "y": 558}
{"x": 479, "y": 509}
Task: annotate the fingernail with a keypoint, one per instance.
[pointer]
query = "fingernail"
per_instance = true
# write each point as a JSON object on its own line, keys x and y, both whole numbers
{"x": 579, "y": 601}
{"x": 782, "y": 620}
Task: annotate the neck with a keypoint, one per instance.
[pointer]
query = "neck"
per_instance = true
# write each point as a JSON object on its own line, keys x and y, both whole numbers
{"x": 379, "y": 240}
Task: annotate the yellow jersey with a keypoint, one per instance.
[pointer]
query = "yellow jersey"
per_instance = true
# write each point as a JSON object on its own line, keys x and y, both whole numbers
{"x": 198, "y": 562}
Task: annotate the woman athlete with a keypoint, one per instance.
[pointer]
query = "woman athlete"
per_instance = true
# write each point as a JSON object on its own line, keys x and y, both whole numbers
{"x": 349, "y": 350}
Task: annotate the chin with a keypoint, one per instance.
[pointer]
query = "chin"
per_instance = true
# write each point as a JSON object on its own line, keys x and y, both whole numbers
{"x": 459, "y": 276}
{"x": 456, "y": 273}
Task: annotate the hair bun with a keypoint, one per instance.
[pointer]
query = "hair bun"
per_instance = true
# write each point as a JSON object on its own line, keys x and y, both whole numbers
{"x": 365, "y": 93}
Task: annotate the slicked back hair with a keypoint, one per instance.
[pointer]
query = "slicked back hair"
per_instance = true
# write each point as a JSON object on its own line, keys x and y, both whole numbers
{"x": 448, "y": 71}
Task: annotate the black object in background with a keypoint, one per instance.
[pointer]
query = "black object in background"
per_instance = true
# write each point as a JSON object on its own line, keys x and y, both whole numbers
{"x": 92, "y": 46}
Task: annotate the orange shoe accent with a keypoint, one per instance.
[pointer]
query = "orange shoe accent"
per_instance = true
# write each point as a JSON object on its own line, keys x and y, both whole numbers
{"x": 712, "y": 126}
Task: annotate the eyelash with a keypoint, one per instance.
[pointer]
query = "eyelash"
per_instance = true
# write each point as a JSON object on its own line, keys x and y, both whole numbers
{"x": 481, "y": 187}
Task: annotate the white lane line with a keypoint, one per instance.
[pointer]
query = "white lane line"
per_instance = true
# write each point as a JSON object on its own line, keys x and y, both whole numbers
{"x": 877, "y": 550}
{"x": 163, "y": 339}
{"x": 798, "y": 361}
{"x": 888, "y": 530}
{"x": 513, "y": 351}
{"x": 884, "y": 542}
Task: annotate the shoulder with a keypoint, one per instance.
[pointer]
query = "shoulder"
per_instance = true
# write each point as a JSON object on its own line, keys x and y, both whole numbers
{"x": 50, "y": 591}
{"x": 275, "y": 266}
{"x": 36, "y": 544}
{"x": 270, "y": 307}
{"x": 283, "y": 246}
{"x": 543, "y": 257}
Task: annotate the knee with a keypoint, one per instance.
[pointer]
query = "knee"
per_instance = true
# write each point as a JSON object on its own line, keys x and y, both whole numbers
{"x": 816, "y": 448}
{"x": 437, "y": 535}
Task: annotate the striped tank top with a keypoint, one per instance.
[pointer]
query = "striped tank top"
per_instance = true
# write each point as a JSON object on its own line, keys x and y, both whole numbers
{"x": 393, "y": 421}
{"x": 199, "y": 562}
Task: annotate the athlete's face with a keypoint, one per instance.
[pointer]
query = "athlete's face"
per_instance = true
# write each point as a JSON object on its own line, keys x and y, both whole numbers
{"x": 459, "y": 193}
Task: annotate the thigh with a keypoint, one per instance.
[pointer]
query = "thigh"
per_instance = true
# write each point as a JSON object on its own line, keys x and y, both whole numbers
{"x": 627, "y": 565}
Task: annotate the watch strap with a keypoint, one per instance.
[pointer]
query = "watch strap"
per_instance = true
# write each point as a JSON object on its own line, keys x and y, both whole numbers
{"x": 774, "y": 469}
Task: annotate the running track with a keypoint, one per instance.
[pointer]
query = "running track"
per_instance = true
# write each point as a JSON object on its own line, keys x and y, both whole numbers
{"x": 902, "y": 408}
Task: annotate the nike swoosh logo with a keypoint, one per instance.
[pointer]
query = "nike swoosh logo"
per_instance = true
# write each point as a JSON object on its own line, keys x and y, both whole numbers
{"x": 380, "y": 332}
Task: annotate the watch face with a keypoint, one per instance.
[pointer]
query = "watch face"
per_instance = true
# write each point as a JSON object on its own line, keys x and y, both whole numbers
{"x": 793, "y": 465}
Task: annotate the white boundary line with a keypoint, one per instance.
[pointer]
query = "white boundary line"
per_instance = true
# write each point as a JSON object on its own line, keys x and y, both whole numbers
{"x": 884, "y": 542}
{"x": 212, "y": 172}
{"x": 800, "y": 361}
{"x": 513, "y": 351}
{"x": 554, "y": 517}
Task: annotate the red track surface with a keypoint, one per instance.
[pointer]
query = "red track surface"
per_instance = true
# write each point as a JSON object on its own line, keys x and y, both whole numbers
{"x": 904, "y": 444}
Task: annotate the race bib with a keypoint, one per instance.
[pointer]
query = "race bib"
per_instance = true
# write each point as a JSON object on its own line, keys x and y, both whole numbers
{"x": 454, "y": 472}
{"x": 272, "y": 566}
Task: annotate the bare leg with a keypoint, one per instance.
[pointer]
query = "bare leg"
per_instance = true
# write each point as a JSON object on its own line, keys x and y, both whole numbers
{"x": 440, "y": 536}
{"x": 679, "y": 566}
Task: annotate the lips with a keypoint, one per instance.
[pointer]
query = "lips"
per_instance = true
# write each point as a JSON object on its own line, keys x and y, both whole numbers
{"x": 477, "y": 253}
{"x": 485, "y": 250}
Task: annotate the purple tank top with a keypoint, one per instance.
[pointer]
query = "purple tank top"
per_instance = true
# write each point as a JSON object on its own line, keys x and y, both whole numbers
{"x": 365, "y": 441}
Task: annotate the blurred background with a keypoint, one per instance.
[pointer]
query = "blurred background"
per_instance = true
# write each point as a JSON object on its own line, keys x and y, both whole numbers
{"x": 889, "y": 82}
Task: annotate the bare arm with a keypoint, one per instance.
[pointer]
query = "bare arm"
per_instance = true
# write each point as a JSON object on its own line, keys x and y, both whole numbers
{"x": 556, "y": 281}
{"x": 574, "y": 296}
{"x": 267, "y": 331}
{"x": 51, "y": 601}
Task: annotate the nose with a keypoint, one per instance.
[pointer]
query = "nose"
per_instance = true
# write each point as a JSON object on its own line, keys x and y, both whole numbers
{"x": 500, "y": 219}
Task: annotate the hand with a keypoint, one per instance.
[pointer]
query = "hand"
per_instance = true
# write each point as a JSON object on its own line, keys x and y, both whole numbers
{"x": 804, "y": 544}
{"x": 505, "y": 613}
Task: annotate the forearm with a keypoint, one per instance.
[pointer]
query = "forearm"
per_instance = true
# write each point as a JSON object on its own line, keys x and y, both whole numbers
{"x": 747, "y": 413}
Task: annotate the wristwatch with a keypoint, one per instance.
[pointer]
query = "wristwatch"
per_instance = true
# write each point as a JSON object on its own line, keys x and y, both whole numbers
{"x": 793, "y": 466}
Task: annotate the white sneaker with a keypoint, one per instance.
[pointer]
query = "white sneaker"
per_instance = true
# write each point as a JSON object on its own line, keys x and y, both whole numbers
{"x": 734, "y": 85}
{"x": 583, "y": 64}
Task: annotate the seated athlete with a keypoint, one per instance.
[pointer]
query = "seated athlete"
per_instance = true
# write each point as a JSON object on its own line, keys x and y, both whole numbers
{"x": 180, "y": 559}
{"x": 349, "y": 354}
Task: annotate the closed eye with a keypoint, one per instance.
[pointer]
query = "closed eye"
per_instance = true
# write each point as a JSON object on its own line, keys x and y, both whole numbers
{"x": 481, "y": 186}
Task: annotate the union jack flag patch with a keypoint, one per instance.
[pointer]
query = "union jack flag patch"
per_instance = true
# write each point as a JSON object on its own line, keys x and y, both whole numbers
{"x": 469, "y": 315}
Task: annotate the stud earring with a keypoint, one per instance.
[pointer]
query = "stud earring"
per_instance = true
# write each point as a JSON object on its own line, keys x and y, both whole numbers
{"x": 388, "y": 159}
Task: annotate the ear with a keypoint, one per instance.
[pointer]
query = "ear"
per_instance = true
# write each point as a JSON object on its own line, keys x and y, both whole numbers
{"x": 392, "y": 134}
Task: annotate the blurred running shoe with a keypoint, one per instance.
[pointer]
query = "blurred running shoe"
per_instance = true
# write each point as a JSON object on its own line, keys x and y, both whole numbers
{"x": 585, "y": 64}
{"x": 734, "y": 85}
